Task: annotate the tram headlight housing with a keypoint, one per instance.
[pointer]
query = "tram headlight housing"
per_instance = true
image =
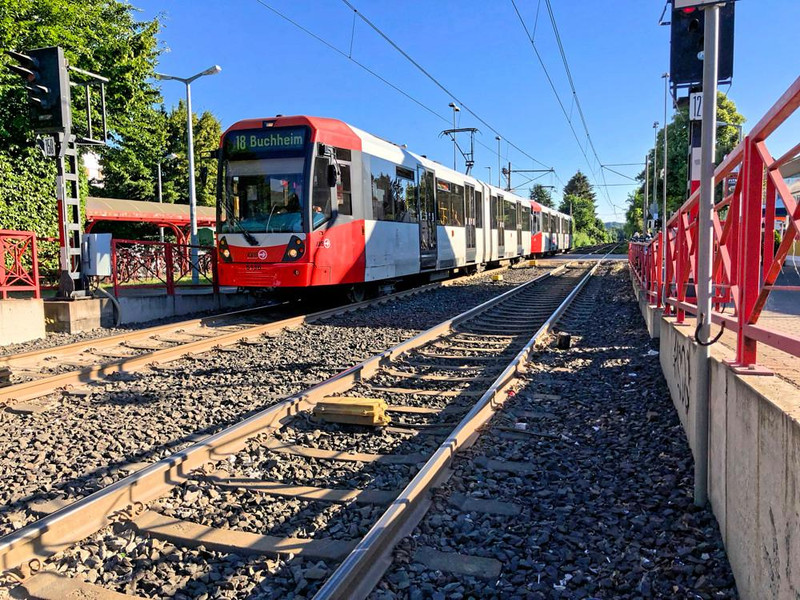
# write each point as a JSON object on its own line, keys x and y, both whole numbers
{"x": 295, "y": 249}
{"x": 224, "y": 251}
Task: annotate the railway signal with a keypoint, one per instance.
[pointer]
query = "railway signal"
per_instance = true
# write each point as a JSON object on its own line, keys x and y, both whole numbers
{"x": 47, "y": 83}
{"x": 687, "y": 42}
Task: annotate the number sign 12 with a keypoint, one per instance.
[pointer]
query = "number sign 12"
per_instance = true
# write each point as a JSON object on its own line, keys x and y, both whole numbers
{"x": 696, "y": 106}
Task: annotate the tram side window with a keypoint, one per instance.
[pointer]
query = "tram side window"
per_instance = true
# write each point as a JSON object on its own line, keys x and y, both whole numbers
{"x": 493, "y": 213}
{"x": 344, "y": 191}
{"x": 383, "y": 195}
{"x": 526, "y": 218}
{"x": 405, "y": 196}
{"x": 478, "y": 209}
{"x": 510, "y": 215}
{"x": 457, "y": 206}
{"x": 321, "y": 195}
{"x": 451, "y": 203}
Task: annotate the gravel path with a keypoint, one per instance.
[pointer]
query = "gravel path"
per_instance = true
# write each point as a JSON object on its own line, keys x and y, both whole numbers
{"x": 606, "y": 508}
{"x": 82, "y": 444}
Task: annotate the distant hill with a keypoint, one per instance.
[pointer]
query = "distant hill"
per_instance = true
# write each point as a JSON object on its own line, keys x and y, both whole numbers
{"x": 614, "y": 225}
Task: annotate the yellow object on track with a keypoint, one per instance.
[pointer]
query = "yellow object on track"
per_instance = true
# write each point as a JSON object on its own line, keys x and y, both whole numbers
{"x": 354, "y": 411}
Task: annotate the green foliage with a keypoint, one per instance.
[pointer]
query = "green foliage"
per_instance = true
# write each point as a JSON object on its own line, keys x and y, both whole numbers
{"x": 175, "y": 172}
{"x": 579, "y": 200}
{"x": 102, "y": 36}
{"x": 542, "y": 195}
{"x": 27, "y": 184}
{"x": 579, "y": 186}
{"x": 677, "y": 161}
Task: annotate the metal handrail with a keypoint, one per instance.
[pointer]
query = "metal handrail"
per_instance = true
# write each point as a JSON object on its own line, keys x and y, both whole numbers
{"x": 747, "y": 261}
{"x": 19, "y": 267}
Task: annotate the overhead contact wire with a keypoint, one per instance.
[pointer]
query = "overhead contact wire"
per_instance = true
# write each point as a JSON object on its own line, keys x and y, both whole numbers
{"x": 436, "y": 81}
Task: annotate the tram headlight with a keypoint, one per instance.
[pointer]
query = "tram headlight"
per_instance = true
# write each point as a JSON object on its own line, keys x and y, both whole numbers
{"x": 224, "y": 251}
{"x": 294, "y": 249}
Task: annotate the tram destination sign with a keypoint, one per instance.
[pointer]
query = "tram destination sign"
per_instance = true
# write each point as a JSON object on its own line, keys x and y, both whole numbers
{"x": 259, "y": 143}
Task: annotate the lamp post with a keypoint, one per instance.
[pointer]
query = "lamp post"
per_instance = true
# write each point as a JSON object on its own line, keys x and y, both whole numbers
{"x": 455, "y": 110}
{"x": 663, "y": 265}
{"x": 169, "y": 156}
{"x": 490, "y": 175}
{"x": 499, "y": 168}
{"x": 655, "y": 166}
{"x": 190, "y": 141}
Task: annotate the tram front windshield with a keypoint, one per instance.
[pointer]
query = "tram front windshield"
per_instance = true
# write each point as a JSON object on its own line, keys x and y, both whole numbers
{"x": 264, "y": 196}
{"x": 263, "y": 180}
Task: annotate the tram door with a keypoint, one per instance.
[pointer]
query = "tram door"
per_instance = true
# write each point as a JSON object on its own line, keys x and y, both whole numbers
{"x": 519, "y": 227}
{"x": 427, "y": 219}
{"x": 471, "y": 210}
{"x": 501, "y": 228}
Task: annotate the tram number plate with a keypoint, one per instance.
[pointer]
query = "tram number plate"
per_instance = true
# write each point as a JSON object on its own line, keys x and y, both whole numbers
{"x": 252, "y": 267}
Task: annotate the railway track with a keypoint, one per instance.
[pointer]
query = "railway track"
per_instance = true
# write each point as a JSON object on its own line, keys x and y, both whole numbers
{"x": 31, "y": 375}
{"x": 205, "y": 504}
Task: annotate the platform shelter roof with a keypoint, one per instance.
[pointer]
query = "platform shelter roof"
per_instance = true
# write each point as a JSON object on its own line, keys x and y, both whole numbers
{"x": 116, "y": 209}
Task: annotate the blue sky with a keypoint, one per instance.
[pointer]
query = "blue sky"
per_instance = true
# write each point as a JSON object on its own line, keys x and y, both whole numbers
{"x": 478, "y": 51}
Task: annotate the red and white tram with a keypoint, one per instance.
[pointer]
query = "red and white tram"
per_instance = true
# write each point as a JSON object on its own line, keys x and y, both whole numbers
{"x": 306, "y": 202}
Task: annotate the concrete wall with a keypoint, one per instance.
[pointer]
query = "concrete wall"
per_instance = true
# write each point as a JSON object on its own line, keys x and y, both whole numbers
{"x": 754, "y": 463}
{"x": 21, "y": 320}
{"x": 138, "y": 309}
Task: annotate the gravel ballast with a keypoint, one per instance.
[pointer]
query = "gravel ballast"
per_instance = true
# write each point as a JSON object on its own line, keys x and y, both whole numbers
{"x": 606, "y": 506}
{"x": 82, "y": 444}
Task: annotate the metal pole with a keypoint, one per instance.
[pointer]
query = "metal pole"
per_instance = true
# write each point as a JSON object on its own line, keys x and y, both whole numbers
{"x": 490, "y": 175}
{"x": 454, "y": 137}
{"x": 192, "y": 197}
{"x": 664, "y": 194}
{"x": 705, "y": 249}
{"x": 160, "y": 201}
{"x": 655, "y": 165}
{"x": 508, "y": 187}
{"x": 646, "y": 192}
{"x": 499, "y": 168}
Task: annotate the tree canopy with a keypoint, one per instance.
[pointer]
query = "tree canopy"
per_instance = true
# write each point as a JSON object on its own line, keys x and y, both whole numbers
{"x": 677, "y": 161}
{"x": 542, "y": 195}
{"x": 580, "y": 201}
{"x": 102, "y": 36}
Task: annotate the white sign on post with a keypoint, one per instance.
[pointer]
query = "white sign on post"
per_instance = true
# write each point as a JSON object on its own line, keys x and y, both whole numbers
{"x": 696, "y": 106}
{"x": 696, "y": 3}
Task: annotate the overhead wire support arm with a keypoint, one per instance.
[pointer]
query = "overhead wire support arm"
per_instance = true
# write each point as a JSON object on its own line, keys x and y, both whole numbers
{"x": 469, "y": 157}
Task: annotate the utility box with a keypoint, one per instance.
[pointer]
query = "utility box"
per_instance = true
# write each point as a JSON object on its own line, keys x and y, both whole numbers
{"x": 96, "y": 254}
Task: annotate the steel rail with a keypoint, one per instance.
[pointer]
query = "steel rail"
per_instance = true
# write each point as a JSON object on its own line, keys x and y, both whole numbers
{"x": 69, "y": 525}
{"x": 42, "y": 386}
{"x": 11, "y": 360}
{"x": 357, "y": 575}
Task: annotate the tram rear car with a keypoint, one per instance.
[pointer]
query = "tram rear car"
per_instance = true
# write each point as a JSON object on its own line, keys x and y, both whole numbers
{"x": 306, "y": 202}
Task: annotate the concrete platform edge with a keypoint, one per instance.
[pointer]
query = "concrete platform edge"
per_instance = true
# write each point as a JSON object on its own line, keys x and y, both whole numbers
{"x": 754, "y": 461}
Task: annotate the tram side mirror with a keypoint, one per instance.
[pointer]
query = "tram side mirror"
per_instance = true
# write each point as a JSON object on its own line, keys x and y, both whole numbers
{"x": 332, "y": 176}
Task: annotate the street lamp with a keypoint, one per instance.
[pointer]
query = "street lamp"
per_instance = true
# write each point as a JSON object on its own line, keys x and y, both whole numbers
{"x": 170, "y": 156}
{"x": 455, "y": 110}
{"x": 654, "y": 200}
{"x": 499, "y": 168}
{"x": 490, "y": 175}
{"x": 190, "y": 140}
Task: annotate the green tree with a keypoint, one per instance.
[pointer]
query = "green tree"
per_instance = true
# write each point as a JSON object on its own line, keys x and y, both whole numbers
{"x": 678, "y": 145}
{"x": 102, "y": 36}
{"x": 542, "y": 195}
{"x": 207, "y": 130}
{"x": 579, "y": 186}
{"x": 579, "y": 200}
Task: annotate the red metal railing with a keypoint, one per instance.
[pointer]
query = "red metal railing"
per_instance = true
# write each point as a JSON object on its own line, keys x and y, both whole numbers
{"x": 747, "y": 260}
{"x": 154, "y": 265}
{"x": 19, "y": 270}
